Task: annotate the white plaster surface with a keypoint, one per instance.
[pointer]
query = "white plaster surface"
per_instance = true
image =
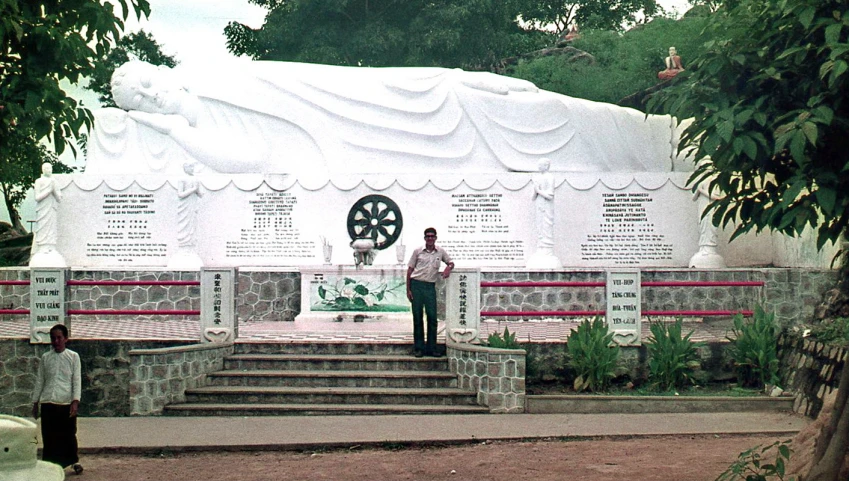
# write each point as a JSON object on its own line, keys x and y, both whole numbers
{"x": 280, "y": 117}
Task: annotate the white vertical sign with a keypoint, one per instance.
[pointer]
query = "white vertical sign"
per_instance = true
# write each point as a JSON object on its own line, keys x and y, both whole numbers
{"x": 47, "y": 303}
{"x": 218, "y": 305}
{"x": 623, "y": 306}
{"x": 462, "y": 305}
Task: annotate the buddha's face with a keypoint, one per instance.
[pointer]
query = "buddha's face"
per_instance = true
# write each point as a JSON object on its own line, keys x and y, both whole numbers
{"x": 544, "y": 165}
{"x": 141, "y": 86}
{"x": 672, "y": 52}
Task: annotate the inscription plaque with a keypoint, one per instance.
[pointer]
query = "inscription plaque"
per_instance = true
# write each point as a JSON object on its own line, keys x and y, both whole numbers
{"x": 623, "y": 306}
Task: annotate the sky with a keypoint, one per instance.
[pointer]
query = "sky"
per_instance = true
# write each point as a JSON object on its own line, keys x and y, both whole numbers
{"x": 193, "y": 32}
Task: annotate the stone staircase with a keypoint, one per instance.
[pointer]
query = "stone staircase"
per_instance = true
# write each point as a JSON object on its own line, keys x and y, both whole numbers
{"x": 270, "y": 379}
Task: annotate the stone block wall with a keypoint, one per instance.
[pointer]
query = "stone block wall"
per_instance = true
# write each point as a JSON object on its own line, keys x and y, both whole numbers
{"x": 792, "y": 294}
{"x": 105, "y": 371}
{"x": 135, "y": 297}
{"x": 497, "y": 375}
{"x": 161, "y": 376}
{"x": 268, "y": 296}
{"x": 811, "y": 370}
{"x": 14, "y": 297}
{"x": 702, "y": 298}
{"x": 540, "y": 298}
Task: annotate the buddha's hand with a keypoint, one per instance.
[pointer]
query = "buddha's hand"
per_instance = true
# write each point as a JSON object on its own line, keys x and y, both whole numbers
{"x": 161, "y": 122}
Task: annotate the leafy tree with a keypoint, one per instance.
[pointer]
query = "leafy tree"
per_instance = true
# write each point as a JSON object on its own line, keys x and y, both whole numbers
{"x": 770, "y": 108}
{"x": 20, "y": 165}
{"x": 473, "y": 34}
{"x": 43, "y": 42}
{"x": 589, "y": 14}
{"x": 769, "y": 100}
{"x": 137, "y": 45}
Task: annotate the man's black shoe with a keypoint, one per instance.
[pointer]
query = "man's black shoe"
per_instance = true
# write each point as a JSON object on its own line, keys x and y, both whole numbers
{"x": 418, "y": 353}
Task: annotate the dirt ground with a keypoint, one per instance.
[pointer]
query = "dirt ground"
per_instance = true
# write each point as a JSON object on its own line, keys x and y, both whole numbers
{"x": 669, "y": 458}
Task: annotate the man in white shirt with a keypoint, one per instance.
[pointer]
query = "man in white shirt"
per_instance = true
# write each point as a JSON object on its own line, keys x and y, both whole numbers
{"x": 58, "y": 386}
{"x": 422, "y": 274}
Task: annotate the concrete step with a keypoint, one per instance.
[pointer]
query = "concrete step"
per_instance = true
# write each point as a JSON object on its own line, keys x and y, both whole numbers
{"x": 323, "y": 348}
{"x": 256, "y": 409}
{"x": 364, "y": 378}
{"x": 338, "y": 362}
{"x": 328, "y": 395}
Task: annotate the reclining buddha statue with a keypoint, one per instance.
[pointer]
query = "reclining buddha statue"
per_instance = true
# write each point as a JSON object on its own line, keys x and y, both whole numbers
{"x": 294, "y": 118}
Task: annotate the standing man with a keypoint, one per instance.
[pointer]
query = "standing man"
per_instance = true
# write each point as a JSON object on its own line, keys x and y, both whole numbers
{"x": 422, "y": 274}
{"x": 57, "y": 388}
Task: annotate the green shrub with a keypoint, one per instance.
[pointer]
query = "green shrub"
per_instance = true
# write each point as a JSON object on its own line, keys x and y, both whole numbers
{"x": 672, "y": 357}
{"x": 754, "y": 349}
{"x": 835, "y": 331}
{"x": 545, "y": 367}
{"x": 507, "y": 341}
{"x": 749, "y": 467}
{"x": 593, "y": 355}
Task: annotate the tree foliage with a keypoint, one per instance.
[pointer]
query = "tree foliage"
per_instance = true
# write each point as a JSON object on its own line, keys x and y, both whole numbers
{"x": 612, "y": 15}
{"x": 624, "y": 63}
{"x": 137, "y": 45}
{"x": 20, "y": 165}
{"x": 43, "y": 42}
{"x": 769, "y": 100}
{"x": 473, "y": 34}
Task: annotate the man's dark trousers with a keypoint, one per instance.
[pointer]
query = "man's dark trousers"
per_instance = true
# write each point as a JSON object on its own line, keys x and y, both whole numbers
{"x": 424, "y": 296}
{"x": 59, "y": 433}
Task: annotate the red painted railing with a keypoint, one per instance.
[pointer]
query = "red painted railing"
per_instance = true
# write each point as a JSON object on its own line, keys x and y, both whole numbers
{"x": 14, "y": 311}
{"x": 14, "y": 283}
{"x": 745, "y": 313}
{"x": 542, "y": 313}
{"x": 132, "y": 312}
{"x": 133, "y": 283}
{"x": 702, "y": 284}
{"x": 542, "y": 284}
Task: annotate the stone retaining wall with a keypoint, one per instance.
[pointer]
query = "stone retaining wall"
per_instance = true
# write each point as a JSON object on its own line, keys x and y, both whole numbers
{"x": 14, "y": 297}
{"x": 135, "y": 297}
{"x": 268, "y": 296}
{"x": 811, "y": 370}
{"x": 792, "y": 294}
{"x": 106, "y": 374}
{"x": 161, "y": 376}
{"x": 497, "y": 375}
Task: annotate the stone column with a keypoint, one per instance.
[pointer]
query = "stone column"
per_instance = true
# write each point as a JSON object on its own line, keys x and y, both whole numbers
{"x": 462, "y": 305}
